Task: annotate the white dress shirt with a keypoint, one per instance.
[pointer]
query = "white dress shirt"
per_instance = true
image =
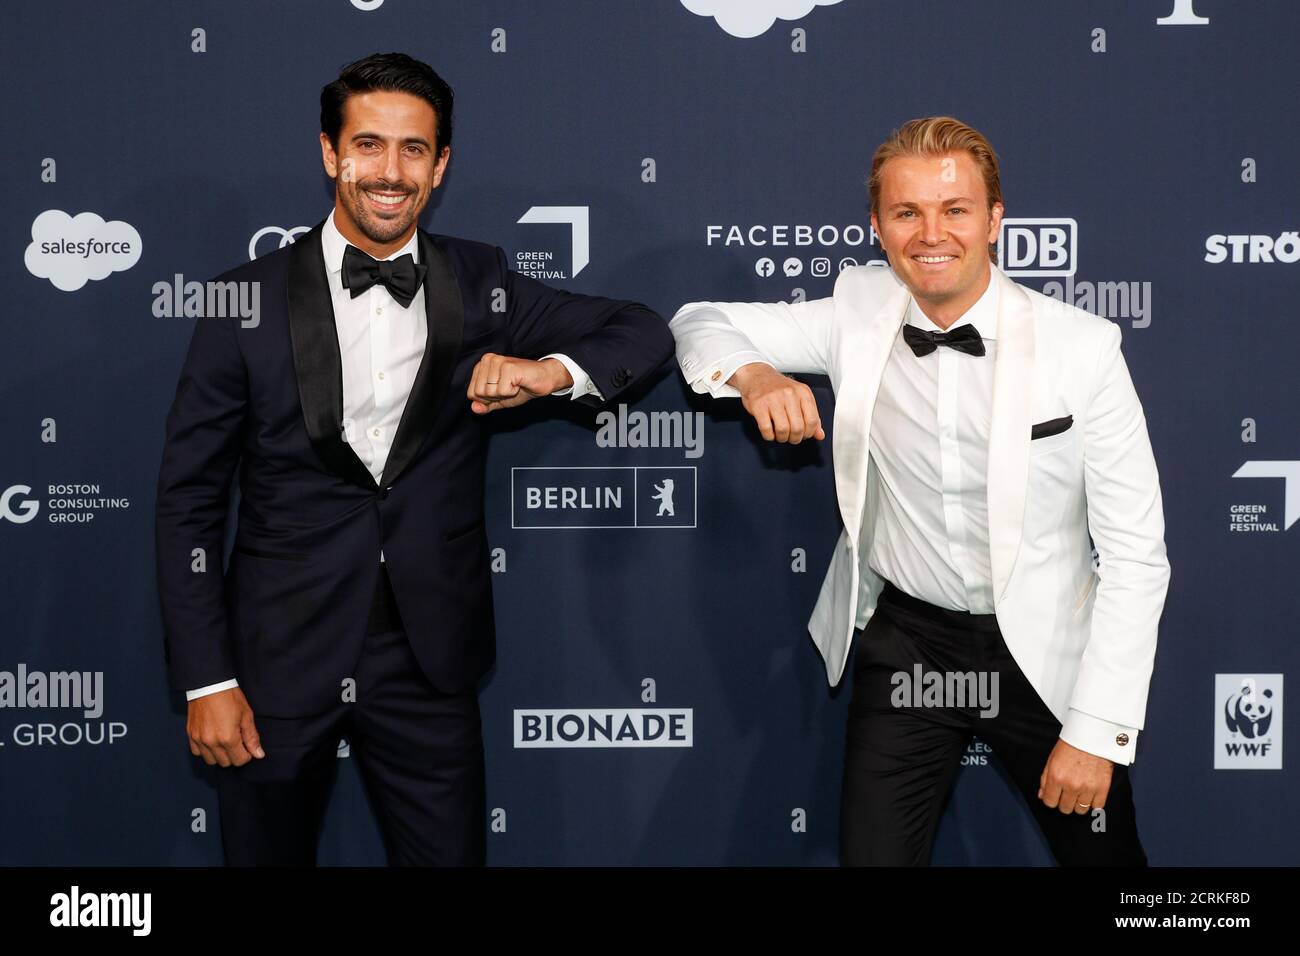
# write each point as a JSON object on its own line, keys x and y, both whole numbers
{"x": 381, "y": 345}
{"x": 929, "y": 444}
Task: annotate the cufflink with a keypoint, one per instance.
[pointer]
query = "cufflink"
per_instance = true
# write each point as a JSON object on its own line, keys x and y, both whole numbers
{"x": 1121, "y": 739}
{"x": 715, "y": 376}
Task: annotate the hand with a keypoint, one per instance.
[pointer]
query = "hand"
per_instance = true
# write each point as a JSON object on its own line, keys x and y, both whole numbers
{"x": 1072, "y": 777}
{"x": 784, "y": 409}
{"x": 499, "y": 381}
{"x": 221, "y": 730}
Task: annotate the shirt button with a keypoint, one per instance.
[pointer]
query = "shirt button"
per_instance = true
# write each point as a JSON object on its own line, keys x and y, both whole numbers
{"x": 377, "y": 432}
{"x": 381, "y": 376}
{"x": 379, "y": 310}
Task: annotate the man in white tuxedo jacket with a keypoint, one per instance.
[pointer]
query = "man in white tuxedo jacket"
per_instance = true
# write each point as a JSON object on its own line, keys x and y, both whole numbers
{"x": 982, "y": 433}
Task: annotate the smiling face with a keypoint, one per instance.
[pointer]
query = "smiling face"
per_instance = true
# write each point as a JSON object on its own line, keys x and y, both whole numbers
{"x": 935, "y": 224}
{"x": 385, "y": 168}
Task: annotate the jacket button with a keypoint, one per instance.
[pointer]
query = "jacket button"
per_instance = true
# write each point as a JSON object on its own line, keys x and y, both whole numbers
{"x": 622, "y": 377}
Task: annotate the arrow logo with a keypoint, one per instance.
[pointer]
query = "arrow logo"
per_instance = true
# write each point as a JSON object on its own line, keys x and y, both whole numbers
{"x": 576, "y": 217}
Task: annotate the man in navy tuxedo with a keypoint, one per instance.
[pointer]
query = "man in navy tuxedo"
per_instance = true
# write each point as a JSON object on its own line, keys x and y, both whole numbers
{"x": 357, "y": 601}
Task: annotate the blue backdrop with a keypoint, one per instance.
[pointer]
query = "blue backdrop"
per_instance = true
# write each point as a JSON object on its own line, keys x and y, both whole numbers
{"x": 1149, "y": 169}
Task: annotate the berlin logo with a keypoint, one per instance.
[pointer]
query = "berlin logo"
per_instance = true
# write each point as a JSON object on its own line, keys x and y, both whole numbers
{"x": 587, "y": 497}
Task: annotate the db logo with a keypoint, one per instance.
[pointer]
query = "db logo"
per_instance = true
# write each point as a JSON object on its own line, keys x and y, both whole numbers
{"x": 26, "y": 509}
{"x": 1038, "y": 247}
{"x": 287, "y": 236}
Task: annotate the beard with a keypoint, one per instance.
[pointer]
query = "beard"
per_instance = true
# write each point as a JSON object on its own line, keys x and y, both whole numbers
{"x": 375, "y": 227}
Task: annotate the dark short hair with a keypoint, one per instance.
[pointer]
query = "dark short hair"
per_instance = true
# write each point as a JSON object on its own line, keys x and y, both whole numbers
{"x": 386, "y": 71}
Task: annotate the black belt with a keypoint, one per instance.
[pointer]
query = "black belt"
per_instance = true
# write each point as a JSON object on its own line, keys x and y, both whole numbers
{"x": 893, "y": 596}
{"x": 383, "y": 606}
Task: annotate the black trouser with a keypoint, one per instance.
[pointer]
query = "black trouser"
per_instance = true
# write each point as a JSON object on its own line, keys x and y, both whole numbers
{"x": 420, "y": 753}
{"x": 900, "y": 762}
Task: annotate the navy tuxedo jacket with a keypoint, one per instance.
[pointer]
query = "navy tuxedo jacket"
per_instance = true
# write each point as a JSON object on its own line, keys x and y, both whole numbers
{"x": 289, "y": 614}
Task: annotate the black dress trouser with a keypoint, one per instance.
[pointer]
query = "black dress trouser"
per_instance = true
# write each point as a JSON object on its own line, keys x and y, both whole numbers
{"x": 419, "y": 751}
{"x": 901, "y": 761}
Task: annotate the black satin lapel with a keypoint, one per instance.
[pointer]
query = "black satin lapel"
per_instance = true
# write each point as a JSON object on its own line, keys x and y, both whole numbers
{"x": 317, "y": 362}
{"x": 445, "y": 321}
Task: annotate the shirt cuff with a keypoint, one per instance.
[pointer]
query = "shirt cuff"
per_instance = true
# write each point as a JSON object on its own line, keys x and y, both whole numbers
{"x": 582, "y": 383}
{"x": 211, "y": 689}
{"x": 712, "y": 379}
{"x": 1115, "y": 742}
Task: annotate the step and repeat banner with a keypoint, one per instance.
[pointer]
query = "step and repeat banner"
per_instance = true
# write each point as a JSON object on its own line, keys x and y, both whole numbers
{"x": 655, "y": 563}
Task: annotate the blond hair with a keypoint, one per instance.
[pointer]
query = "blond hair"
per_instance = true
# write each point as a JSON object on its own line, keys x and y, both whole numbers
{"x": 934, "y": 136}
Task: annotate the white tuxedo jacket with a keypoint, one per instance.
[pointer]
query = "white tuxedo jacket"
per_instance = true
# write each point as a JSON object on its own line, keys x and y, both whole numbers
{"x": 1085, "y": 641}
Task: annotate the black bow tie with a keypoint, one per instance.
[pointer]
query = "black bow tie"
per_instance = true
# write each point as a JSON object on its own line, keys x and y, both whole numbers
{"x": 964, "y": 338}
{"x": 401, "y": 276}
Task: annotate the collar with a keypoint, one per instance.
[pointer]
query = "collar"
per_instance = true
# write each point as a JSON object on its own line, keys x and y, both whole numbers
{"x": 983, "y": 314}
{"x": 333, "y": 244}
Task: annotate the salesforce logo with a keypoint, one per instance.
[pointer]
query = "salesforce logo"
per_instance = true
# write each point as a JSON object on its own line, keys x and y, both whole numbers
{"x": 751, "y": 18}
{"x": 72, "y": 250}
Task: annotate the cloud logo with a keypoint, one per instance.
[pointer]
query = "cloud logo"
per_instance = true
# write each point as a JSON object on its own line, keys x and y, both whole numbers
{"x": 72, "y": 250}
{"x": 750, "y": 18}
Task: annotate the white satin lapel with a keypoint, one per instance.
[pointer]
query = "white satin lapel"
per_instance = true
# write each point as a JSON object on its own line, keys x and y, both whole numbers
{"x": 865, "y": 347}
{"x": 1013, "y": 384}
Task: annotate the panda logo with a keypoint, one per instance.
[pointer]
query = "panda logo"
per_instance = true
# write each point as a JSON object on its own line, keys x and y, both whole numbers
{"x": 1249, "y": 714}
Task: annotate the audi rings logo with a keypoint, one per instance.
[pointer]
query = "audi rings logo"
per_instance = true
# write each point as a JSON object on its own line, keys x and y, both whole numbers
{"x": 26, "y": 508}
{"x": 287, "y": 236}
